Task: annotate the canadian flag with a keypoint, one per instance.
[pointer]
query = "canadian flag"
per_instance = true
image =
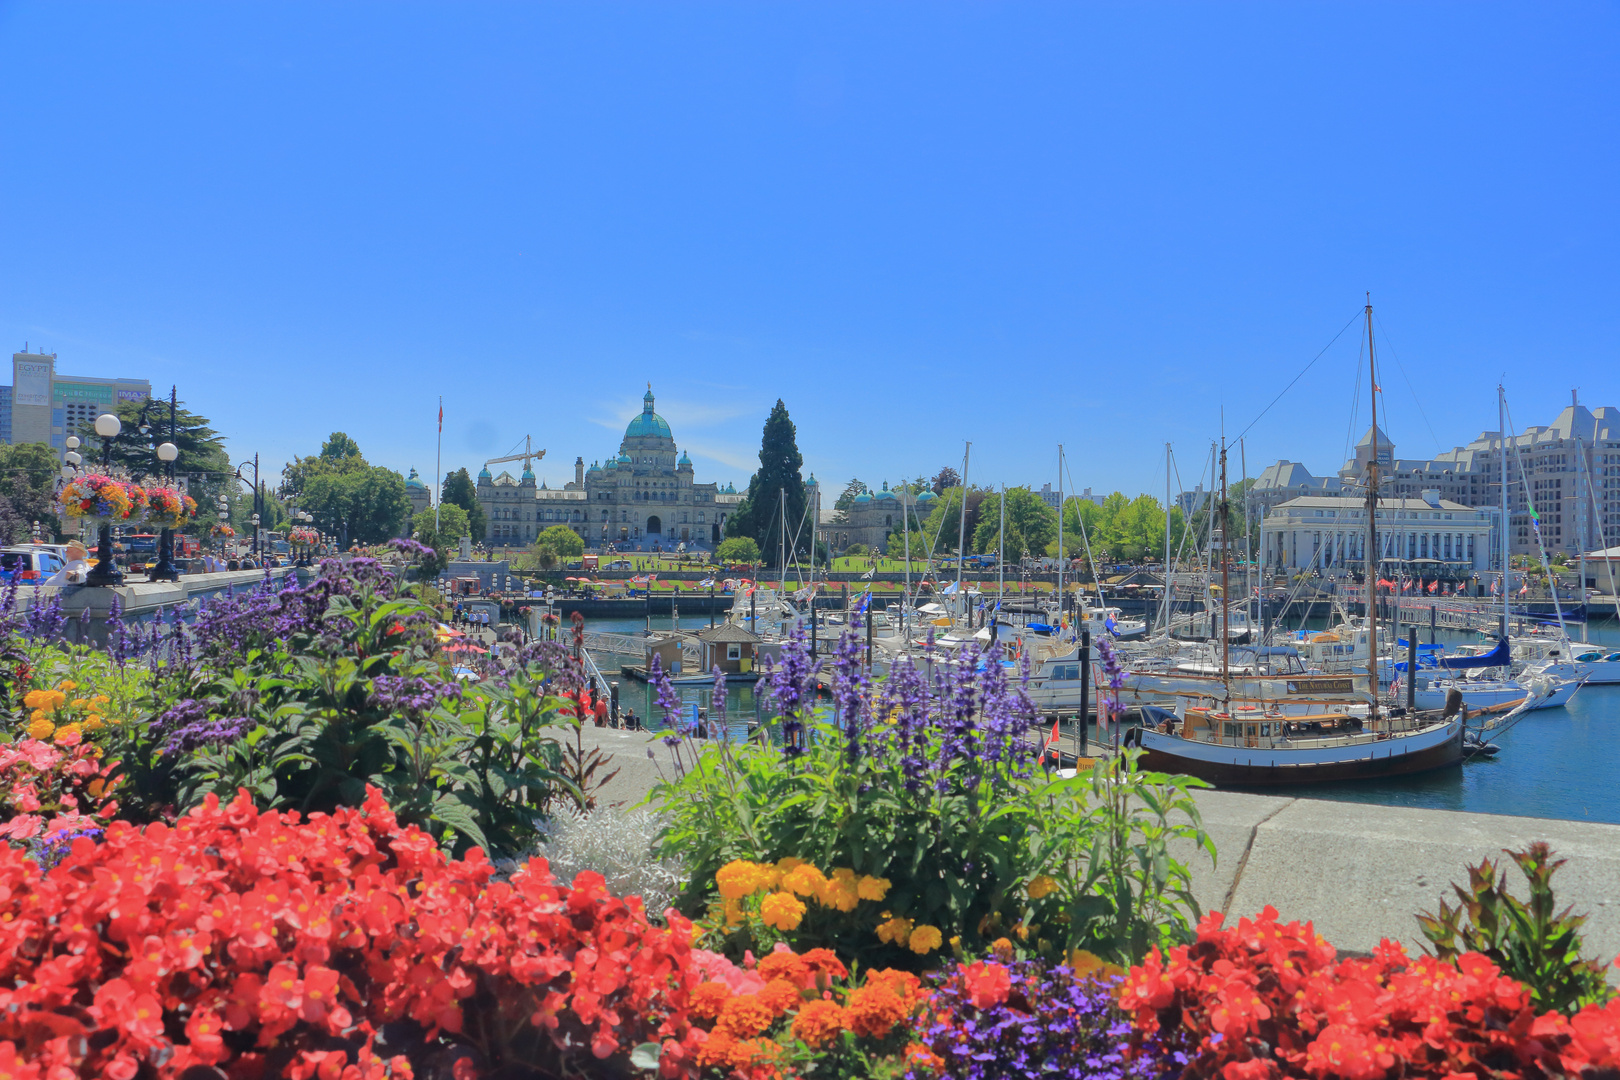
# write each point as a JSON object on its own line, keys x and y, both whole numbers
{"x": 1051, "y": 749}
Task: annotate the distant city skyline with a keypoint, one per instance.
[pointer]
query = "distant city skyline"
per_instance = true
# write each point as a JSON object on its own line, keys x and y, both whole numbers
{"x": 1109, "y": 227}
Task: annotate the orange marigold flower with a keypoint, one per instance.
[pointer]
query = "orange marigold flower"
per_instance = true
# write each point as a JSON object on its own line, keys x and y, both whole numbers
{"x": 740, "y": 878}
{"x": 874, "y": 1009}
{"x": 784, "y": 964}
{"x": 842, "y": 891}
{"x": 780, "y": 995}
{"x": 1040, "y": 886}
{"x": 707, "y": 998}
{"x": 895, "y": 930}
{"x": 804, "y": 880}
{"x": 716, "y": 1050}
{"x": 825, "y": 962}
{"x": 872, "y": 888}
{"x": 925, "y": 939}
{"x": 782, "y": 910}
{"x": 744, "y": 1016}
{"x": 819, "y": 1023}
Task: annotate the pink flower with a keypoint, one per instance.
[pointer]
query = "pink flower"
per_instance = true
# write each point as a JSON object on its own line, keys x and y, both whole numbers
{"x": 716, "y": 968}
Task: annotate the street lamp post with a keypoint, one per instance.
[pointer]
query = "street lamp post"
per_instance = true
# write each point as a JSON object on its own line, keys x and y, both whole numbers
{"x": 167, "y": 452}
{"x": 105, "y": 572}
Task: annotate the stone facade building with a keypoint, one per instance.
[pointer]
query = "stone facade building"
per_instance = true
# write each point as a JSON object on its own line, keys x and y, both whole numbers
{"x": 1570, "y": 469}
{"x": 871, "y": 518}
{"x": 643, "y": 498}
{"x": 1427, "y": 535}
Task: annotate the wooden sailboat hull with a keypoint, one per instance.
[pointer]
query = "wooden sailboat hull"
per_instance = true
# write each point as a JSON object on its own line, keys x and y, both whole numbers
{"x": 1244, "y": 766}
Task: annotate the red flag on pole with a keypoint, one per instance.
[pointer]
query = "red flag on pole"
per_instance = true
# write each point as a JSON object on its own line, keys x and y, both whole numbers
{"x": 441, "y": 416}
{"x": 1051, "y": 744}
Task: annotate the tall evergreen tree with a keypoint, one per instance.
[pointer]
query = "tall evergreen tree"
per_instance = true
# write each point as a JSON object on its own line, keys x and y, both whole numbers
{"x": 460, "y": 490}
{"x": 775, "y": 491}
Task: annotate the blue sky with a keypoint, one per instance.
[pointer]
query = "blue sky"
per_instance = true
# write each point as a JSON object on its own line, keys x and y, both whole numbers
{"x": 1019, "y": 224}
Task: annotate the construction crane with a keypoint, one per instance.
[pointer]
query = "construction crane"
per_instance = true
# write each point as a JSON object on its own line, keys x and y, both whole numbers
{"x": 529, "y": 454}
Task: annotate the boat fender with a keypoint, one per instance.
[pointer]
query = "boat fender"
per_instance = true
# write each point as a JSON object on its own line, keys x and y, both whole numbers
{"x": 1454, "y": 703}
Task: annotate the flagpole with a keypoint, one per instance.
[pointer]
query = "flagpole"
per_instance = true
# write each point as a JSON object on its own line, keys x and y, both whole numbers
{"x": 438, "y": 469}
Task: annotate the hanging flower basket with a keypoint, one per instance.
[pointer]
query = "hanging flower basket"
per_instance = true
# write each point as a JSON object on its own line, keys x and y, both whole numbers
{"x": 168, "y": 508}
{"x": 104, "y": 499}
{"x": 222, "y": 530}
{"x": 304, "y": 537}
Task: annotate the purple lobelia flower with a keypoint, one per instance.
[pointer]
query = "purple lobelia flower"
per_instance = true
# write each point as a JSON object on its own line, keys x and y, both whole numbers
{"x": 51, "y": 849}
{"x": 793, "y": 685}
{"x": 851, "y": 688}
{"x": 717, "y": 701}
{"x": 1052, "y": 1023}
{"x": 45, "y": 619}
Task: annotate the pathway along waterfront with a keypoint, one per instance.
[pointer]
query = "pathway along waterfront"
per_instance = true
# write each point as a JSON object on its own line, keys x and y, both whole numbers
{"x": 1558, "y": 763}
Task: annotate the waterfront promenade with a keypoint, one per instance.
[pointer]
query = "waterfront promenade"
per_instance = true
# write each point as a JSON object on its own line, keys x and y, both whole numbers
{"x": 1360, "y": 872}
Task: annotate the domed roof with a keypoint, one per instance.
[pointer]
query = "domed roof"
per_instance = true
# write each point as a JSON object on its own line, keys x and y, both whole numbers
{"x": 412, "y": 481}
{"x": 484, "y": 474}
{"x": 885, "y": 493}
{"x": 863, "y": 497}
{"x": 648, "y": 423}
{"x": 812, "y": 481}
{"x": 685, "y": 460}
{"x": 926, "y": 496}
{"x": 624, "y": 459}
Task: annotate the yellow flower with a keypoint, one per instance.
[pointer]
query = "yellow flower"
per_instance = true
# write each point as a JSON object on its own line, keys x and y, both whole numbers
{"x": 925, "y": 939}
{"x": 732, "y": 912}
{"x": 1003, "y": 948}
{"x": 841, "y": 891}
{"x": 67, "y": 733}
{"x": 782, "y": 910}
{"x": 788, "y": 863}
{"x": 93, "y": 723}
{"x": 1085, "y": 963}
{"x": 895, "y": 930}
{"x": 35, "y": 699}
{"x": 1041, "y": 886}
{"x": 56, "y": 698}
{"x": 740, "y": 878}
{"x": 102, "y": 699}
{"x": 80, "y": 703}
{"x": 873, "y": 888}
{"x": 804, "y": 880}
{"x": 67, "y": 685}
{"x": 37, "y": 715}
{"x": 41, "y": 729}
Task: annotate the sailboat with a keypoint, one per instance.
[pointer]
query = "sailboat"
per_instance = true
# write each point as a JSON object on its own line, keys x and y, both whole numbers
{"x": 1235, "y": 741}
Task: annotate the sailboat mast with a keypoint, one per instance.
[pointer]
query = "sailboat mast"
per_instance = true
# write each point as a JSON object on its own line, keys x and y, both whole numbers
{"x": 1582, "y": 537}
{"x": 1372, "y": 529}
{"x": 1226, "y": 599}
{"x": 1060, "y": 541}
{"x": 1507, "y": 548}
{"x": 961, "y": 535}
{"x": 905, "y": 521}
{"x": 1164, "y": 598}
{"x": 1001, "y": 551}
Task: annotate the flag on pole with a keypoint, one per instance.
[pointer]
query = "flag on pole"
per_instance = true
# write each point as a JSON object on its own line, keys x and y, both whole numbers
{"x": 1434, "y": 586}
{"x": 1052, "y": 743}
{"x": 441, "y": 417}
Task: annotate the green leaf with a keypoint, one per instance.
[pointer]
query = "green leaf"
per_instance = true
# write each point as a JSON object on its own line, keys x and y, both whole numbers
{"x": 646, "y": 1055}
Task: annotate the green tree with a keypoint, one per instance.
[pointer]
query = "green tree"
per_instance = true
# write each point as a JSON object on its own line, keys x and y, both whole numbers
{"x": 367, "y": 505}
{"x": 737, "y": 549}
{"x": 775, "y": 492}
{"x": 28, "y": 473}
{"x": 451, "y": 528}
{"x": 944, "y": 520}
{"x": 563, "y": 540}
{"x": 460, "y": 490}
{"x": 1031, "y": 524}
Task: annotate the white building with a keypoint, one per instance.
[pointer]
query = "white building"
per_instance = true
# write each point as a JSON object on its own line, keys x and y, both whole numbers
{"x": 1427, "y": 535}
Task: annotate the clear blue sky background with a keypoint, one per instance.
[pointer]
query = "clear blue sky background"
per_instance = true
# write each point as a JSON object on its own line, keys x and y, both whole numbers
{"x": 1018, "y": 224}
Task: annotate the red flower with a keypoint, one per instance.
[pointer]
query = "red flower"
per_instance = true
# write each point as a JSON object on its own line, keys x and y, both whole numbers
{"x": 987, "y": 983}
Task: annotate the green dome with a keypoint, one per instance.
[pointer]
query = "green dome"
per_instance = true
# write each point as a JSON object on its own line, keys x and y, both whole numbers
{"x": 649, "y": 423}
{"x": 483, "y": 474}
{"x": 412, "y": 481}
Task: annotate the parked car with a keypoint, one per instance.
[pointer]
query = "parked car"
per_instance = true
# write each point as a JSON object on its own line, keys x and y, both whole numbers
{"x": 28, "y": 563}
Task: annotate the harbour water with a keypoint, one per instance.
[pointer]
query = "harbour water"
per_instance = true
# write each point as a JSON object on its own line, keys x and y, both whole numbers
{"x": 1557, "y": 763}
